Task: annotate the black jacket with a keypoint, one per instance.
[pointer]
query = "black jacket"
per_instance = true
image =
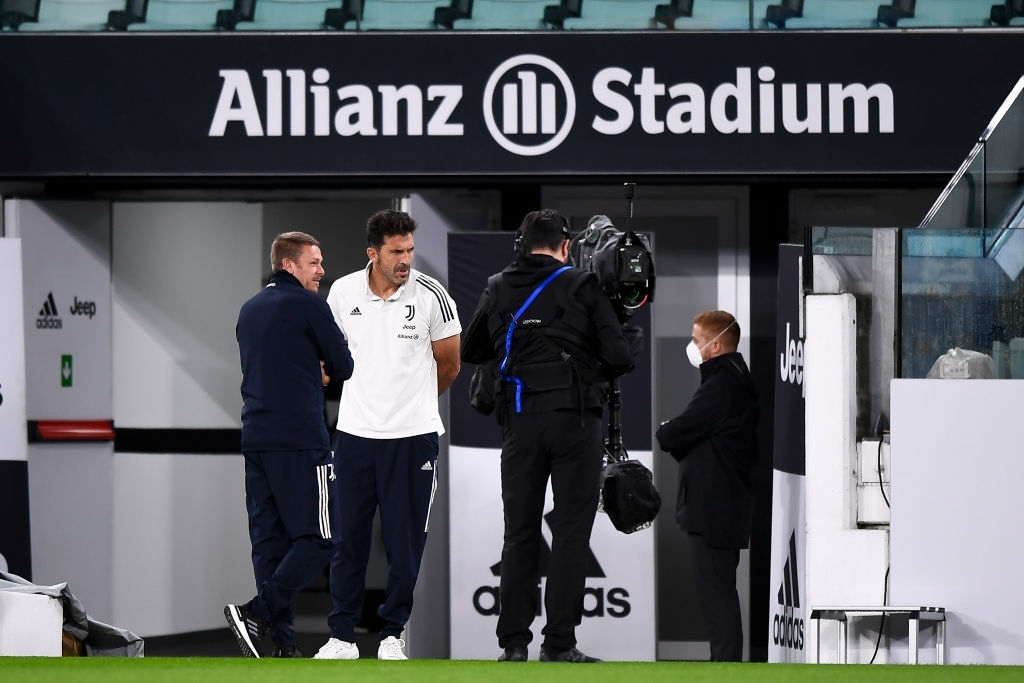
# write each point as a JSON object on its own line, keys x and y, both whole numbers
{"x": 715, "y": 442}
{"x": 283, "y": 333}
{"x": 566, "y": 345}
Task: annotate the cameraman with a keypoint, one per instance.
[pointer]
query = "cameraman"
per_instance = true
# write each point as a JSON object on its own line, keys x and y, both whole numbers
{"x": 554, "y": 366}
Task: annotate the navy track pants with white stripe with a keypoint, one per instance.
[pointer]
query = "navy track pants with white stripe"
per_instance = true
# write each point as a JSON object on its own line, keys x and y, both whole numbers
{"x": 399, "y": 475}
{"x": 293, "y": 518}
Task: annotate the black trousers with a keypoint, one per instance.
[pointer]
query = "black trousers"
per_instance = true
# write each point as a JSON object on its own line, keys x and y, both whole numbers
{"x": 537, "y": 447}
{"x": 715, "y": 569}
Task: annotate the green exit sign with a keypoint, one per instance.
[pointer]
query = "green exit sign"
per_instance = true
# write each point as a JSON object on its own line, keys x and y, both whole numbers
{"x": 66, "y": 374}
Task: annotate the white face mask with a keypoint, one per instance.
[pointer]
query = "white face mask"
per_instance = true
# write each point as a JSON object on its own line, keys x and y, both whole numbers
{"x": 693, "y": 354}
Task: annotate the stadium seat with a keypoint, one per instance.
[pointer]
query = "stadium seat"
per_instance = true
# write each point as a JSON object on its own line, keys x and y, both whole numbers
{"x": 445, "y": 17}
{"x": 398, "y": 15}
{"x": 181, "y": 15}
{"x": 241, "y": 10}
{"x": 836, "y": 14}
{"x": 942, "y": 13}
{"x": 555, "y": 15}
{"x": 350, "y": 10}
{"x": 1001, "y": 15}
{"x": 889, "y": 15}
{"x": 499, "y": 15}
{"x": 666, "y": 15}
{"x": 72, "y": 15}
{"x": 134, "y": 12}
{"x": 778, "y": 15}
{"x": 722, "y": 15}
{"x": 632, "y": 15}
{"x": 287, "y": 15}
{"x": 13, "y": 13}
{"x": 290, "y": 15}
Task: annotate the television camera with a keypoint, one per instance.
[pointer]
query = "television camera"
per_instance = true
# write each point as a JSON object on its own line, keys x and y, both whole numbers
{"x": 624, "y": 266}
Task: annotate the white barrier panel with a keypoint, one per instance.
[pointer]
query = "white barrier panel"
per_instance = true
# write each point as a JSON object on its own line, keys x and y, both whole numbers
{"x": 787, "y": 611}
{"x": 956, "y": 511}
{"x": 30, "y": 625}
{"x": 619, "y": 619}
{"x": 12, "y": 354}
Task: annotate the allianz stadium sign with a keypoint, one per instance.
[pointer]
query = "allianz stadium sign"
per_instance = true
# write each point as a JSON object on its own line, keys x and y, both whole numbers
{"x": 532, "y": 98}
{"x": 471, "y": 104}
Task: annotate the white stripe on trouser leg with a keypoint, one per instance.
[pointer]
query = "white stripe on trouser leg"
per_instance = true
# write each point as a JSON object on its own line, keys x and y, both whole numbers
{"x": 324, "y": 500}
{"x": 433, "y": 490}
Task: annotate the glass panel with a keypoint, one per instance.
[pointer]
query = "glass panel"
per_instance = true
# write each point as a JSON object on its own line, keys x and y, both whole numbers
{"x": 861, "y": 261}
{"x": 947, "y": 300}
{"x": 958, "y": 295}
{"x": 987, "y": 191}
{"x": 1004, "y": 182}
{"x": 840, "y": 241}
{"x": 962, "y": 202}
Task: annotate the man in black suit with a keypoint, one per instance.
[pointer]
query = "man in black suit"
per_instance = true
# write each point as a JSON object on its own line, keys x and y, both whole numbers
{"x": 715, "y": 442}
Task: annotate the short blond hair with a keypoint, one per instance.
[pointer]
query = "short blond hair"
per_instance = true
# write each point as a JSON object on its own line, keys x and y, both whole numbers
{"x": 289, "y": 245}
{"x": 720, "y": 323}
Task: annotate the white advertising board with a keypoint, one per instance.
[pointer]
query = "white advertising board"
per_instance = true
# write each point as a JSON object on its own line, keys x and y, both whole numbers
{"x": 618, "y": 607}
{"x": 66, "y": 300}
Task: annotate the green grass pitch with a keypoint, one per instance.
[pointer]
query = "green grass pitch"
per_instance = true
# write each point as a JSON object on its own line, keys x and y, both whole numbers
{"x": 238, "y": 670}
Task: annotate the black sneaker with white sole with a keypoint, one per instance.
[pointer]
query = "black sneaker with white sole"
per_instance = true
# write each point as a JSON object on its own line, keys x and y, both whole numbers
{"x": 247, "y": 628}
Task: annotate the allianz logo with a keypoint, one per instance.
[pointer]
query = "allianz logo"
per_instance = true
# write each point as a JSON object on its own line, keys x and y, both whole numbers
{"x": 529, "y": 105}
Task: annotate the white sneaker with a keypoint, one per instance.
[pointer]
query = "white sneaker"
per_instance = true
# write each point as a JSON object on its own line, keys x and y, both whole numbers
{"x": 337, "y": 649}
{"x": 391, "y": 648}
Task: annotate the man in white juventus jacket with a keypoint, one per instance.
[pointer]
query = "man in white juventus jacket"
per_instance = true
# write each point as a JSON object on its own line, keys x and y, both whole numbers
{"x": 403, "y": 331}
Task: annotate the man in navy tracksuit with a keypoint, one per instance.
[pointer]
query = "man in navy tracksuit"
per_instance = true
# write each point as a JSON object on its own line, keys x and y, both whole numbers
{"x": 290, "y": 348}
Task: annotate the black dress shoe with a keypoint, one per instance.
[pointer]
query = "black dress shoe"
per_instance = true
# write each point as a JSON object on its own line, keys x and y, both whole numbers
{"x": 571, "y": 656}
{"x": 286, "y": 651}
{"x": 514, "y": 653}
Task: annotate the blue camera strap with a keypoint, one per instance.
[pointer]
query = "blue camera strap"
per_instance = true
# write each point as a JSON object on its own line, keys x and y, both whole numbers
{"x": 511, "y": 329}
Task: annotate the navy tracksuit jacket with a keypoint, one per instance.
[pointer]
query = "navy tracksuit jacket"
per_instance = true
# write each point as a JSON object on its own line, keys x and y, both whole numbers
{"x": 283, "y": 332}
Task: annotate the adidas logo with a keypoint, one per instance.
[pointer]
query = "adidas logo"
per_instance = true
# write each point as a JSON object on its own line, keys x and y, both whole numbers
{"x": 787, "y": 627}
{"x": 599, "y": 601}
{"x": 48, "y": 318}
{"x": 49, "y": 306}
{"x": 355, "y": 311}
{"x": 427, "y": 467}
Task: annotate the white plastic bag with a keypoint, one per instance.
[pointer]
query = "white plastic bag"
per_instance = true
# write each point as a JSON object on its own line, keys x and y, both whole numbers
{"x": 960, "y": 363}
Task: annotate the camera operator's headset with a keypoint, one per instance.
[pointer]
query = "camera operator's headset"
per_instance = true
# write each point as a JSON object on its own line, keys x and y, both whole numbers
{"x": 520, "y": 248}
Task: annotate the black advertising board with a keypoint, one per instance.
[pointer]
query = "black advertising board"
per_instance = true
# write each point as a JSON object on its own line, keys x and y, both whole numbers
{"x": 473, "y": 104}
{"x": 788, "y": 452}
